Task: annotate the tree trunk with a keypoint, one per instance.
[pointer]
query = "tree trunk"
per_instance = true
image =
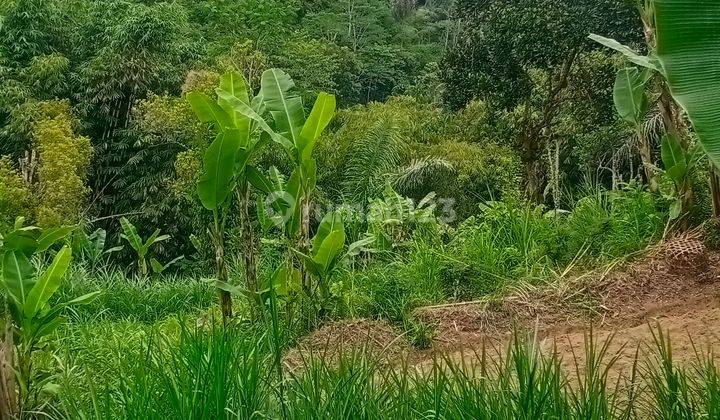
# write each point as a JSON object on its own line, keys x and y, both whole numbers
{"x": 8, "y": 386}
{"x": 222, "y": 275}
{"x": 249, "y": 244}
{"x": 675, "y": 126}
{"x": 646, "y": 158}
{"x": 309, "y": 305}
{"x": 715, "y": 189}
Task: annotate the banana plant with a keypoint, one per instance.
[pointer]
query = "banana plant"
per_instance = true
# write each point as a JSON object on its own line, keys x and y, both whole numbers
{"x": 159, "y": 268}
{"x": 679, "y": 165}
{"x": 141, "y": 247}
{"x": 630, "y": 87}
{"x": 297, "y": 134}
{"x": 687, "y": 50}
{"x": 227, "y": 169}
{"x": 28, "y": 292}
{"x": 632, "y": 103}
{"x": 327, "y": 250}
{"x": 92, "y": 246}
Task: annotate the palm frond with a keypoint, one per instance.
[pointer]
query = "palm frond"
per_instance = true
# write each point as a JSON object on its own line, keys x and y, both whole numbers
{"x": 420, "y": 172}
{"x": 374, "y": 156}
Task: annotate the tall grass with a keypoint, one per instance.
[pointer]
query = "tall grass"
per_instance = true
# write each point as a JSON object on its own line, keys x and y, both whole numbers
{"x": 215, "y": 374}
{"x": 126, "y": 298}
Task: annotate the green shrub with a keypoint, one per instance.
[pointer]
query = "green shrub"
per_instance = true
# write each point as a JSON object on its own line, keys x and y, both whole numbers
{"x": 14, "y": 194}
{"x": 64, "y": 160}
{"x": 505, "y": 243}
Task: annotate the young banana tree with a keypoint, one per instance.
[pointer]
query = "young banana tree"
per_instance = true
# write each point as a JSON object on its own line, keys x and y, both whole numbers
{"x": 227, "y": 170}
{"x": 632, "y": 103}
{"x": 92, "y": 246}
{"x": 683, "y": 54}
{"x": 298, "y": 134}
{"x": 143, "y": 247}
{"x": 326, "y": 252}
{"x": 27, "y": 296}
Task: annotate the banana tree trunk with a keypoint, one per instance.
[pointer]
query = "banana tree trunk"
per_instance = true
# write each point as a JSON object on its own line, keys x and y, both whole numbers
{"x": 8, "y": 386}
{"x": 715, "y": 189}
{"x": 249, "y": 244}
{"x": 222, "y": 274}
{"x": 647, "y": 161}
{"x": 675, "y": 125}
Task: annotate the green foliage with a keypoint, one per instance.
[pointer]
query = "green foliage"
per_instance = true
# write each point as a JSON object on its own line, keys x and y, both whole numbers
{"x": 629, "y": 95}
{"x": 14, "y": 194}
{"x": 64, "y": 160}
{"x": 30, "y": 28}
{"x": 123, "y": 298}
{"x": 92, "y": 247}
{"x": 686, "y": 38}
{"x": 503, "y": 43}
{"x": 28, "y": 293}
{"x": 519, "y": 381}
{"x": 142, "y": 248}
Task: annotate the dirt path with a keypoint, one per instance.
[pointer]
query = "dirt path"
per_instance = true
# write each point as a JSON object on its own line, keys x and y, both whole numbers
{"x": 676, "y": 287}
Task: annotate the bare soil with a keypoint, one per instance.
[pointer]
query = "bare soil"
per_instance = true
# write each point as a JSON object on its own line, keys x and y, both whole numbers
{"x": 676, "y": 287}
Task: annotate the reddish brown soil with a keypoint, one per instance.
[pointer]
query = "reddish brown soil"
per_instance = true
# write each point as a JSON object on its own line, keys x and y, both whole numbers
{"x": 675, "y": 290}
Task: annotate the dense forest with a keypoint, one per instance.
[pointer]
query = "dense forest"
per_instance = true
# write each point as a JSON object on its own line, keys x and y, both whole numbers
{"x": 189, "y": 188}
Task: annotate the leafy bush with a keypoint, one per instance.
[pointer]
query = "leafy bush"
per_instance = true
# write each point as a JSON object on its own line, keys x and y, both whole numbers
{"x": 505, "y": 243}
{"x": 14, "y": 194}
{"x": 64, "y": 160}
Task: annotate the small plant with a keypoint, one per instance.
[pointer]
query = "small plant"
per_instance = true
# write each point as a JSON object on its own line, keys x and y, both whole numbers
{"x": 142, "y": 247}
{"x": 92, "y": 247}
{"x": 31, "y": 317}
{"x": 326, "y": 251}
{"x": 419, "y": 333}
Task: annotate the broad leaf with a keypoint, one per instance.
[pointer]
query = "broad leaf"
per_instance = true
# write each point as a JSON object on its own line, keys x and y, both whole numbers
{"x": 209, "y": 111}
{"x": 17, "y": 276}
{"x": 310, "y": 264}
{"x": 98, "y": 237}
{"x": 258, "y": 180}
{"x": 285, "y": 280}
{"x": 48, "y": 283}
{"x": 632, "y": 56}
{"x": 48, "y": 326}
{"x": 688, "y": 47}
{"x": 155, "y": 238}
{"x": 131, "y": 235}
{"x": 218, "y": 166}
{"x": 159, "y": 268}
{"x": 629, "y": 94}
{"x": 360, "y": 245}
{"x": 50, "y": 236}
{"x": 233, "y": 85}
{"x": 671, "y": 151}
{"x": 244, "y": 109}
{"x": 22, "y": 240}
{"x": 322, "y": 112}
{"x": 329, "y": 250}
{"x": 84, "y": 299}
{"x": 330, "y": 223}
{"x": 284, "y": 103}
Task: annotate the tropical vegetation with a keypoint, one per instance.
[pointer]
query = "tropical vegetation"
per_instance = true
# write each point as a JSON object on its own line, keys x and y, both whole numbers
{"x": 187, "y": 188}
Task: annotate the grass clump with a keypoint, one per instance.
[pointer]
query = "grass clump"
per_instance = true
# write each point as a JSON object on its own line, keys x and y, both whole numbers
{"x": 211, "y": 374}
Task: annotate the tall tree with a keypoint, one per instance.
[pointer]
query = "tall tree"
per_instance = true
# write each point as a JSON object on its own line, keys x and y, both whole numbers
{"x": 519, "y": 54}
